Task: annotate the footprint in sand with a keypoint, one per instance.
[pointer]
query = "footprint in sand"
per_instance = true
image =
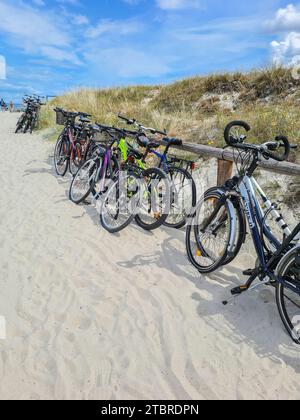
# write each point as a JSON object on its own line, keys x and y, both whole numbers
{"x": 101, "y": 381}
{"x": 30, "y": 396}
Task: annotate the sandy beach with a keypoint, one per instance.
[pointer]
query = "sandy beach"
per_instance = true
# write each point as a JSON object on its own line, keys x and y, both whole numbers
{"x": 90, "y": 315}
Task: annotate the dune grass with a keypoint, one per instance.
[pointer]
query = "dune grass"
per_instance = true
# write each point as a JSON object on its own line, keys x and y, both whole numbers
{"x": 198, "y": 108}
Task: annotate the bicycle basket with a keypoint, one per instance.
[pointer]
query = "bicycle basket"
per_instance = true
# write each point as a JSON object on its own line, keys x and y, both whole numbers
{"x": 60, "y": 118}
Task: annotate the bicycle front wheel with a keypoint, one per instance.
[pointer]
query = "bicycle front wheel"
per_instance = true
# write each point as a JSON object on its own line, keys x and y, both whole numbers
{"x": 183, "y": 197}
{"x": 119, "y": 204}
{"x": 61, "y": 160}
{"x": 154, "y": 199}
{"x": 211, "y": 234}
{"x": 20, "y": 123}
{"x": 288, "y": 293}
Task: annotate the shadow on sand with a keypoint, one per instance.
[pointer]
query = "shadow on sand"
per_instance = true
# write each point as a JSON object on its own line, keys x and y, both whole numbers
{"x": 251, "y": 317}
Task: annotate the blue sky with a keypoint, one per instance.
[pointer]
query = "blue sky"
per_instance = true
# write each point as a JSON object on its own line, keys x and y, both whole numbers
{"x": 52, "y": 46}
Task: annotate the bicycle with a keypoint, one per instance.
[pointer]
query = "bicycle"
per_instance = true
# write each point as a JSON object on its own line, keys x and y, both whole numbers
{"x": 182, "y": 185}
{"x": 28, "y": 121}
{"x": 102, "y": 165}
{"x": 137, "y": 193}
{"x": 102, "y": 168}
{"x": 218, "y": 228}
{"x": 68, "y": 152}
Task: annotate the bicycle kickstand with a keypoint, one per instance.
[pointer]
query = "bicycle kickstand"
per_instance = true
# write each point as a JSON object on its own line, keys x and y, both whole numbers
{"x": 249, "y": 286}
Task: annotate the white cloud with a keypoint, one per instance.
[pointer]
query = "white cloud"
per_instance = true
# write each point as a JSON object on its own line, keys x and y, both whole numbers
{"x": 106, "y": 26}
{"x": 286, "y": 19}
{"x": 36, "y": 31}
{"x": 286, "y": 48}
{"x": 30, "y": 25}
{"x": 178, "y": 4}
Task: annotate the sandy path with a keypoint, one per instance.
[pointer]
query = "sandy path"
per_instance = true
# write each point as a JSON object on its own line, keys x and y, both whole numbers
{"x": 90, "y": 315}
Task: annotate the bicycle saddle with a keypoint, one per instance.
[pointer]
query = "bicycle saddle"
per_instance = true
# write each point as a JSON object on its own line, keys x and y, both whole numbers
{"x": 94, "y": 128}
{"x": 173, "y": 141}
{"x": 84, "y": 120}
{"x": 145, "y": 142}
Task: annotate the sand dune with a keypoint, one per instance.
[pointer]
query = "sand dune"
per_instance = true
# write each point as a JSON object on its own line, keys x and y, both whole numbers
{"x": 94, "y": 316}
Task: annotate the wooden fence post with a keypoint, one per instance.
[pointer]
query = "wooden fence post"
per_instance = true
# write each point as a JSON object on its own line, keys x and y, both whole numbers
{"x": 225, "y": 169}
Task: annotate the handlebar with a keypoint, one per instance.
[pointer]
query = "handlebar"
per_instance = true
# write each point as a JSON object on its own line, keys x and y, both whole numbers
{"x": 83, "y": 114}
{"x": 72, "y": 114}
{"x": 129, "y": 122}
{"x": 267, "y": 149}
{"x": 141, "y": 127}
{"x": 121, "y": 131}
{"x": 232, "y": 141}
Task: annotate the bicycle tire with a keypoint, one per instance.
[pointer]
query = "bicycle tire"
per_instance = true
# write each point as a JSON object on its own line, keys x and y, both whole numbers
{"x": 20, "y": 123}
{"x": 33, "y": 124}
{"x": 200, "y": 252}
{"x": 284, "y": 270}
{"x": 27, "y": 125}
{"x": 241, "y": 231}
{"x": 75, "y": 160}
{"x": 158, "y": 174}
{"x": 62, "y": 147}
{"x": 88, "y": 191}
{"x": 109, "y": 176}
{"x": 187, "y": 175}
{"x": 128, "y": 218}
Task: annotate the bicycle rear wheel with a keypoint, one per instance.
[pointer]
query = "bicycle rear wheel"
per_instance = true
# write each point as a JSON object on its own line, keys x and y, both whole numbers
{"x": 61, "y": 159}
{"x": 33, "y": 124}
{"x": 75, "y": 159}
{"x": 183, "y": 197}
{"x": 154, "y": 201}
{"x": 287, "y": 297}
{"x": 27, "y": 125}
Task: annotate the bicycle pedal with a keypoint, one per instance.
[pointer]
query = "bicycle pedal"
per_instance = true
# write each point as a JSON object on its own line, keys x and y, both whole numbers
{"x": 239, "y": 290}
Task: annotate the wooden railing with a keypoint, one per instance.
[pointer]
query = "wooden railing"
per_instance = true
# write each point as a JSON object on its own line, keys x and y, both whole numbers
{"x": 226, "y": 158}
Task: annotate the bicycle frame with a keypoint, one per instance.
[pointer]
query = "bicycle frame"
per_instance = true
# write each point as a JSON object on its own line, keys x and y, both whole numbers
{"x": 249, "y": 188}
{"x": 163, "y": 164}
{"x": 106, "y": 164}
{"x": 71, "y": 139}
{"x": 124, "y": 154}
